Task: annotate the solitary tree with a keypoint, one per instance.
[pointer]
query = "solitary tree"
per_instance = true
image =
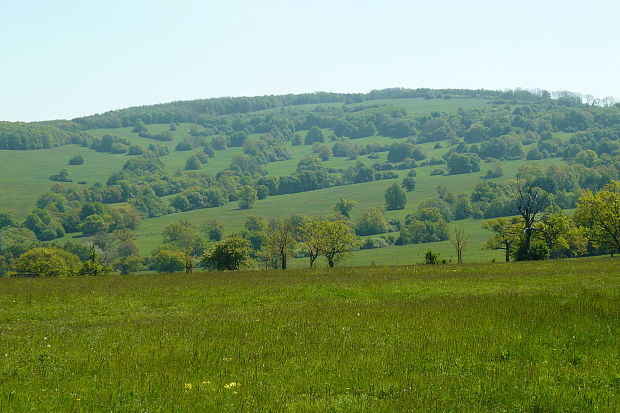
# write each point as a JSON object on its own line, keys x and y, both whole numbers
{"x": 344, "y": 206}
{"x": 530, "y": 201}
{"x": 599, "y": 213}
{"x": 247, "y": 197}
{"x": 460, "y": 242}
{"x": 395, "y": 197}
{"x": 334, "y": 240}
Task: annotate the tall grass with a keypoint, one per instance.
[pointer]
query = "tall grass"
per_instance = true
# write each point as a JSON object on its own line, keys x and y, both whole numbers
{"x": 502, "y": 337}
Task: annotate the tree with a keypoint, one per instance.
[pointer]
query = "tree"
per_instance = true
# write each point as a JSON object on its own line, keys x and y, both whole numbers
{"x": 7, "y": 220}
{"x": 561, "y": 235}
{"x": 334, "y": 239}
{"x": 93, "y": 224}
{"x": 323, "y": 151}
{"x": 431, "y": 258}
{"x": 281, "y": 239}
{"x": 214, "y": 230}
{"x": 530, "y": 201}
{"x": 167, "y": 259}
{"x": 408, "y": 184}
{"x": 460, "y": 241}
{"x": 247, "y": 197}
{"x": 48, "y": 262}
{"x": 128, "y": 265}
{"x": 463, "y": 163}
{"x": 183, "y": 237}
{"x": 76, "y": 160}
{"x": 371, "y": 222}
{"x": 230, "y": 254}
{"x": 310, "y": 236}
{"x": 62, "y": 176}
{"x": 395, "y": 197}
{"x": 506, "y": 234}
{"x": 345, "y": 206}
{"x": 314, "y": 135}
{"x": 599, "y": 213}
{"x": 193, "y": 163}
{"x": 94, "y": 265}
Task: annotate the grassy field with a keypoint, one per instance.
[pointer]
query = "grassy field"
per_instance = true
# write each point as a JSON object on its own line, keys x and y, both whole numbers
{"x": 540, "y": 336}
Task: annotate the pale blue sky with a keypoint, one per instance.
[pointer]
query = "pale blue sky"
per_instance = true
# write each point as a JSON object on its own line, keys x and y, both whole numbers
{"x": 67, "y": 58}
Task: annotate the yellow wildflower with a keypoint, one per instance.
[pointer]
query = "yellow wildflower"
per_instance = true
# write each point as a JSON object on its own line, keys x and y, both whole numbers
{"x": 188, "y": 386}
{"x": 231, "y": 385}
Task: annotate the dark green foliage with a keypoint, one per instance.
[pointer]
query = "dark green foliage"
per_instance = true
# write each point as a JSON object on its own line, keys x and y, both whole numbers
{"x": 31, "y": 136}
{"x": 7, "y": 220}
{"x": 76, "y": 160}
{"x": 538, "y": 251}
{"x": 431, "y": 257}
{"x": 395, "y": 197}
{"x": 192, "y": 164}
{"x": 371, "y": 222}
{"x": 402, "y": 150}
{"x": 408, "y": 184}
{"x": 62, "y": 176}
{"x": 463, "y": 163}
{"x": 314, "y": 135}
{"x": 214, "y": 230}
{"x": 247, "y": 197}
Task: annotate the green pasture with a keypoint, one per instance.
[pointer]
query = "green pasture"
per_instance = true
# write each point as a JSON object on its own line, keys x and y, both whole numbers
{"x": 539, "y": 336}
{"x": 24, "y": 175}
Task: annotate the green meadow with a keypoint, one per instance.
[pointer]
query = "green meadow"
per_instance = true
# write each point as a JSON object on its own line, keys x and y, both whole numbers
{"x": 530, "y": 336}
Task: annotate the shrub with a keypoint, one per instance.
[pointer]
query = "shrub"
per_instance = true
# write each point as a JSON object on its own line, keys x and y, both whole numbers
{"x": 76, "y": 160}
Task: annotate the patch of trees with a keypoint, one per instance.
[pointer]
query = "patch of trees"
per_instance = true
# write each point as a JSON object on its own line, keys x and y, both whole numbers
{"x": 427, "y": 224}
{"x": 31, "y": 136}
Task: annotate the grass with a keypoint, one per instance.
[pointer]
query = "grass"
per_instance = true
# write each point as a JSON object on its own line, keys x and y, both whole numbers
{"x": 540, "y": 336}
{"x": 25, "y": 174}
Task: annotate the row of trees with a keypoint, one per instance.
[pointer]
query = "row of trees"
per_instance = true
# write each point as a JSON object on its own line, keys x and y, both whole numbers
{"x": 541, "y": 232}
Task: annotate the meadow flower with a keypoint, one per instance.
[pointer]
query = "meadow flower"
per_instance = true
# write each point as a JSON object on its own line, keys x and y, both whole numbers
{"x": 206, "y": 382}
{"x": 188, "y": 386}
{"x": 231, "y": 385}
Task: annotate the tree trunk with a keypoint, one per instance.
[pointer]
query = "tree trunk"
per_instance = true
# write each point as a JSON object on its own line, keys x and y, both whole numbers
{"x": 507, "y": 252}
{"x": 528, "y": 240}
{"x": 284, "y": 261}
{"x": 312, "y": 259}
{"x": 330, "y": 262}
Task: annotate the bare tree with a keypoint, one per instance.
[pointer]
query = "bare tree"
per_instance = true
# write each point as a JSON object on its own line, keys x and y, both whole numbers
{"x": 459, "y": 241}
{"x": 530, "y": 201}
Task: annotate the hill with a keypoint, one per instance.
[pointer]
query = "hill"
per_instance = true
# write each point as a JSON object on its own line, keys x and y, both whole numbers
{"x": 458, "y": 151}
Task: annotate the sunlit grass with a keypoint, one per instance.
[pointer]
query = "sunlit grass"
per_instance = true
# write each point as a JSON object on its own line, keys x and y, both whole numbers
{"x": 520, "y": 337}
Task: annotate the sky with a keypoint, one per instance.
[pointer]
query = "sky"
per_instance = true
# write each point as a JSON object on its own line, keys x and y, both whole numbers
{"x": 68, "y": 58}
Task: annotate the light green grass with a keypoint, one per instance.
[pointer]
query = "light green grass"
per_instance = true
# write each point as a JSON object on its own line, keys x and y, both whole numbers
{"x": 24, "y": 175}
{"x": 540, "y": 336}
